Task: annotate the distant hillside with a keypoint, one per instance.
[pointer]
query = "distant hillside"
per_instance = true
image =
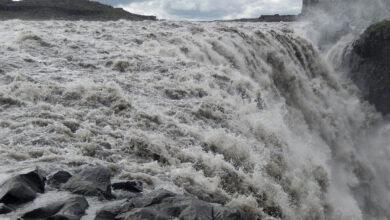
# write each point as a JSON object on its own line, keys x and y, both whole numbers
{"x": 64, "y": 9}
{"x": 267, "y": 18}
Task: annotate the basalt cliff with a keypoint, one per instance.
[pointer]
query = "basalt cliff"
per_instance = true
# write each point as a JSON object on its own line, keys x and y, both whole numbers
{"x": 369, "y": 64}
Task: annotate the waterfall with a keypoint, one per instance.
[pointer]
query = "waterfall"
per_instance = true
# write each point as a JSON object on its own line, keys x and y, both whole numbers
{"x": 248, "y": 115}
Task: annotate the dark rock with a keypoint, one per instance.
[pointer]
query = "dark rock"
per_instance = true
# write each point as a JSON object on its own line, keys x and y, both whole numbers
{"x": 152, "y": 198}
{"x": 145, "y": 214}
{"x": 5, "y": 209}
{"x": 186, "y": 208}
{"x": 44, "y": 212}
{"x": 369, "y": 64}
{"x": 93, "y": 181}
{"x": 162, "y": 204}
{"x": 69, "y": 10}
{"x": 22, "y": 188}
{"x": 224, "y": 213}
{"x": 132, "y": 186}
{"x": 59, "y": 178}
{"x": 71, "y": 209}
{"x": 111, "y": 211}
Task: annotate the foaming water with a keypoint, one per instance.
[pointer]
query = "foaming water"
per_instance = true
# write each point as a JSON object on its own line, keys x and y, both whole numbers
{"x": 246, "y": 115}
{"x": 330, "y": 21}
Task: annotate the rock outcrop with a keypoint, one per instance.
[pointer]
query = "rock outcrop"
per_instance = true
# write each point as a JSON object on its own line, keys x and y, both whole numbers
{"x": 5, "y": 209}
{"x": 22, "y": 188}
{"x": 165, "y": 205}
{"x": 70, "y": 209}
{"x": 64, "y": 10}
{"x": 59, "y": 178}
{"x": 369, "y": 64}
{"x": 96, "y": 181}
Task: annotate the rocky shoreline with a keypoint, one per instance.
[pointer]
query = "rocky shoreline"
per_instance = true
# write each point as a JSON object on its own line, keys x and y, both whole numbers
{"x": 64, "y": 10}
{"x": 125, "y": 200}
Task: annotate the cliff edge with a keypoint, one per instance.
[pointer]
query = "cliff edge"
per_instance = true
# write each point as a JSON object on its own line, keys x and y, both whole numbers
{"x": 369, "y": 62}
{"x": 64, "y": 10}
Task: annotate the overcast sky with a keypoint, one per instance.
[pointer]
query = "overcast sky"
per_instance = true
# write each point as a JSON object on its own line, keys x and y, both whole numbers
{"x": 207, "y": 9}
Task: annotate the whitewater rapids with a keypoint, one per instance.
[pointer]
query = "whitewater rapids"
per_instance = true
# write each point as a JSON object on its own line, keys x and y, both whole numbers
{"x": 249, "y": 115}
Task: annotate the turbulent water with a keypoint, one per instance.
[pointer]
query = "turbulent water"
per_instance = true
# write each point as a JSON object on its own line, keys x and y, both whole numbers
{"x": 246, "y": 115}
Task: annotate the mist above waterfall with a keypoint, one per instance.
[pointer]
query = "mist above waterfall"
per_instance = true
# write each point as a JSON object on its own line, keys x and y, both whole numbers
{"x": 331, "y": 20}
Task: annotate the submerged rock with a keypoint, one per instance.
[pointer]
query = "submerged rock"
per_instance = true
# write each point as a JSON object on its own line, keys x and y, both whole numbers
{"x": 92, "y": 181}
{"x": 121, "y": 66}
{"x": 70, "y": 209}
{"x": 22, "y": 188}
{"x": 369, "y": 64}
{"x": 163, "y": 204}
{"x": 59, "y": 178}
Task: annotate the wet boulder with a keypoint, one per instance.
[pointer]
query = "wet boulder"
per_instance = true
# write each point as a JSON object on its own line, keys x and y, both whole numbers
{"x": 152, "y": 198}
{"x": 369, "y": 64}
{"x": 120, "y": 210}
{"x": 92, "y": 181}
{"x": 5, "y": 209}
{"x": 224, "y": 213}
{"x": 163, "y": 204}
{"x": 71, "y": 209}
{"x": 111, "y": 211}
{"x": 59, "y": 178}
{"x": 131, "y": 186}
{"x": 186, "y": 208}
{"x": 22, "y": 188}
{"x": 143, "y": 214}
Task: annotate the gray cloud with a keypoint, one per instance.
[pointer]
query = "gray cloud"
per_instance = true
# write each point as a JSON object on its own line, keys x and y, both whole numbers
{"x": 208, "y": 9}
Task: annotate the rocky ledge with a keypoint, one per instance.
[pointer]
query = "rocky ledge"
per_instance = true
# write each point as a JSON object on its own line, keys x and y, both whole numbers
{"x": 64, "y": 10}
{"x": 369, "y": 64}
{"x": 119, "y": 201}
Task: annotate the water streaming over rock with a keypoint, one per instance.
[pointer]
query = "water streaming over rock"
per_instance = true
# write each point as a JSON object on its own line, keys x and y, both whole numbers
{"x": 246, "y": 115}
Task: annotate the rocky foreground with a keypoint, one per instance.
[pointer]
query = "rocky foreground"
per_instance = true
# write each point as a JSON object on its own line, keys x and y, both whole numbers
{"x": 64, "y": 10}
{"x": 125, "y": 200}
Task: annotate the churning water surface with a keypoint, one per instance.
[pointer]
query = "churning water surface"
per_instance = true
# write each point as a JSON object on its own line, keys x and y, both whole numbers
{"x": 249, "y": 115}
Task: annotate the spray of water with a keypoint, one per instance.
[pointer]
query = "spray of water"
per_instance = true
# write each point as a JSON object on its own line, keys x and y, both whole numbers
{"x": 333, "y": 26}
{"x": 331, "y": 20}
{"x": 247, "y": 115}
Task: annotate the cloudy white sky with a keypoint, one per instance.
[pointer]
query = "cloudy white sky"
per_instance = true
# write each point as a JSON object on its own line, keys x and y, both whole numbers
{"x": 207, "y": 9}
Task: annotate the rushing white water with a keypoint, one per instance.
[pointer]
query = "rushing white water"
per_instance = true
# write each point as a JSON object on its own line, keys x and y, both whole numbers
{"x": 331, "y": 20}
{"x": 246, "y": 115}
